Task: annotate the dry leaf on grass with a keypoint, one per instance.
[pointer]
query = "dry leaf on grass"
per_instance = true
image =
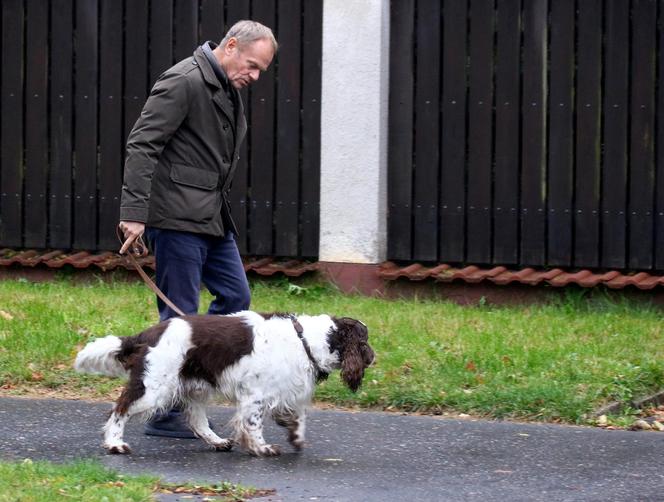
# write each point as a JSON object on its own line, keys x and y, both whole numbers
{"x": 6, "y": 315}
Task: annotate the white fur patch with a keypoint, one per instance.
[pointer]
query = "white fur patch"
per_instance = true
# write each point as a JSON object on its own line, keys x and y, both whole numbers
{"x": 98, "y": 357}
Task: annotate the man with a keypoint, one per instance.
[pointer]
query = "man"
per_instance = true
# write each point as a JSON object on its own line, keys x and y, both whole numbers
{"x": 181, "y": 156}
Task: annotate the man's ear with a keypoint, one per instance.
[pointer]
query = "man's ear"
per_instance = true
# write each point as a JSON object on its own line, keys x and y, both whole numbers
{"x": 231, "y": 46}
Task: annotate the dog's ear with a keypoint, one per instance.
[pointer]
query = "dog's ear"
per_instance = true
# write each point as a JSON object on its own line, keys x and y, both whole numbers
{"x": 355, "y": 351}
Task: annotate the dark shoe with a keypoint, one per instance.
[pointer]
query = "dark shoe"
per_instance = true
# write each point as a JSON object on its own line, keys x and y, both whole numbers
{"x": 171, "y": 424}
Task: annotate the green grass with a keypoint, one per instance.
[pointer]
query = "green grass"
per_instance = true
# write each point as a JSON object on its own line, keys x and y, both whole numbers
{"x": 552, "y": 362}
{"x": 87, "y": 481}
{"x": 83, "y": 481}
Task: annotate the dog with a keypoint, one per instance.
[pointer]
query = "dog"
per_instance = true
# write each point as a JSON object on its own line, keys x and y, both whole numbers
{"x": 267, "y": 365}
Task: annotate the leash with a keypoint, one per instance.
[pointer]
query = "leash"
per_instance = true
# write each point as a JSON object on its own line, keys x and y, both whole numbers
{"x": 138, "y": 248}
{"x": 320, "y": 374}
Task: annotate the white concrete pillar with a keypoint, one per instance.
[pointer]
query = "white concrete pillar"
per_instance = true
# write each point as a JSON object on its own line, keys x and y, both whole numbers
{"x": 354, "y": 103}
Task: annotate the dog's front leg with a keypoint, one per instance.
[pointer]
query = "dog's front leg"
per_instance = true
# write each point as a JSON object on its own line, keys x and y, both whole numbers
{"x": 294, "y": 422}
{"x": 249, "y": 428}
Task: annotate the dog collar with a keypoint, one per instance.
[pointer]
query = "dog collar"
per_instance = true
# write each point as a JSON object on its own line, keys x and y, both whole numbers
{"x": 320, "y": 374}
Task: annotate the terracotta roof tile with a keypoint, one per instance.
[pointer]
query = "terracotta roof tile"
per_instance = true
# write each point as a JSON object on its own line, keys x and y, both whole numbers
{"x": 500, "y": 275}
{"x": 109, "y": 261}
{"x": 443, "y": 272}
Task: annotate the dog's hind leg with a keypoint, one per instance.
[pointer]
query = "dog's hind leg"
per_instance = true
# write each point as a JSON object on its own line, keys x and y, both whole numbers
{"x": 294, "y": 421}
{"x": 198, "y": 421}
{"x": 248, "y": 423}
{"x": 114, "y": 432}
{"x": 134, "y": 400}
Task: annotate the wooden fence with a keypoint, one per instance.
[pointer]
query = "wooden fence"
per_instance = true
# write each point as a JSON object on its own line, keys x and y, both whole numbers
{"x": 527, "y": 132}
{"x": 74, "y": 77}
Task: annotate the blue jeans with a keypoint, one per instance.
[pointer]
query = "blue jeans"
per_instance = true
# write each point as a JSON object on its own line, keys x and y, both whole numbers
{"x": 185, "y": 260}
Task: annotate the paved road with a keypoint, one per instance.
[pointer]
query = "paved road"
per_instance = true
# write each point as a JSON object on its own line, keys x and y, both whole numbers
{"x": 366, "y": 456}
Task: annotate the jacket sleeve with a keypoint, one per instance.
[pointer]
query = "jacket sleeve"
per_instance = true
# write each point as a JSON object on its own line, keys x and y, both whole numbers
{"x": 164, "y": 111}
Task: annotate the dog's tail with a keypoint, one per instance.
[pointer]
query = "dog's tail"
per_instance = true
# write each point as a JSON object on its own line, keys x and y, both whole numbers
{"x": 100, "y": 357}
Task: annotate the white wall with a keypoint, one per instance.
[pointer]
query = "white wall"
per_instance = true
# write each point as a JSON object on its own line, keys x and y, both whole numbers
{"x": 353, "y": 226}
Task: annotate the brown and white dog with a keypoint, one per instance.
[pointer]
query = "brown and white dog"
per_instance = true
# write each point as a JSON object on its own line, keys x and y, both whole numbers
{"x": 266, "y": 364}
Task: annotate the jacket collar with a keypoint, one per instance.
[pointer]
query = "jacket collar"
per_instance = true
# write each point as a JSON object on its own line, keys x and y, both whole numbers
{"x": 217, "y": 69}
{"x": 219, "y": 95}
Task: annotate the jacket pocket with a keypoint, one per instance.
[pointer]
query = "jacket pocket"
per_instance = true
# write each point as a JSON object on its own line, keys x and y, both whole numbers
{"x": 183, "y": 174}
{"x": 195, "y": 195}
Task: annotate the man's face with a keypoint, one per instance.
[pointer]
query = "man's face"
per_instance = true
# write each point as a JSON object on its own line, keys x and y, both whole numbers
{"x": 244, "y": 63}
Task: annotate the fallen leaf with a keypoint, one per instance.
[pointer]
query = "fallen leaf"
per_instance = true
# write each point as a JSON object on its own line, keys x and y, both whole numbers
{"x": 6, "y": 315}
{"x": 470, "y": 366}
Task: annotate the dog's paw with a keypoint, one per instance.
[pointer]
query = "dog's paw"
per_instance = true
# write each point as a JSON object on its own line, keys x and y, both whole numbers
{"x": 268, "y": 450}
{"x": 223, "y": 445}
{"x": 296, "y": 440}
{"x": 118, "y": 449}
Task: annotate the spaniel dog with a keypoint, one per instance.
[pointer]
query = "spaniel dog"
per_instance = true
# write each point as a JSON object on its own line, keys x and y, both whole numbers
{"x": 265, "y": 364}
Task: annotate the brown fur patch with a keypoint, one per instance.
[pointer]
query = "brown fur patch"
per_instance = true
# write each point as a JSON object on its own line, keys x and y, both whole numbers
{"x": 218, "y": 342}
{"x": 132, "y": 356}
{"x": 351, "y": 339}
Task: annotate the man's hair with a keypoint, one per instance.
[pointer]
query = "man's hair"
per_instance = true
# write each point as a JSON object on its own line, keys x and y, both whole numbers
{"x": 246, "y": 32}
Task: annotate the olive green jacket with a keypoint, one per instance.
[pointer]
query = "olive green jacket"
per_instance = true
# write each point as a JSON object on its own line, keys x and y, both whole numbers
{"x": 183, "y": 151}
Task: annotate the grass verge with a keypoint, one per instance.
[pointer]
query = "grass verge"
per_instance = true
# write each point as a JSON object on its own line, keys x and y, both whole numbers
{"x": 555, "y": 362}
{"x": 85, "y": 481}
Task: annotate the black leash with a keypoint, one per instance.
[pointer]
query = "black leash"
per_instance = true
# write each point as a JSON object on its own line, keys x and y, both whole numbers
{"x": 320, "y": 374}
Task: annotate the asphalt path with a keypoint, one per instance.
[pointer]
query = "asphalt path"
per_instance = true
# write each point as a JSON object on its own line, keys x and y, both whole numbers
{"x": 364, "y": 456}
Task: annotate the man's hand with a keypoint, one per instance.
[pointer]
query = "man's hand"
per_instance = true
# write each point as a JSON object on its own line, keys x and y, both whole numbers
{"x": 131, "y": 230}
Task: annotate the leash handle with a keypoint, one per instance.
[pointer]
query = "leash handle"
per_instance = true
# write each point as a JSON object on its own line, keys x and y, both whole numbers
{"x": 138, "y": 248}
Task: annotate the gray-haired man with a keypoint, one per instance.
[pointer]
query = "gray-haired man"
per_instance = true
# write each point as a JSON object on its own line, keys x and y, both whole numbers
{"x": 181, "y": 156}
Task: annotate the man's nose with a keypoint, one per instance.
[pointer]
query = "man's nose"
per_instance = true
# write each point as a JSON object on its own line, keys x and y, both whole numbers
{"x": 254, "y": 75}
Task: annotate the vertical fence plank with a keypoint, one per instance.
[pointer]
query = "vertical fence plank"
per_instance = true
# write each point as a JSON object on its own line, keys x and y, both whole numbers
{"x": 533, "y": 141}
{"x": 287, "y": 172}
{"x": 185, "y": 25}
{"x": 161, "y": 37}
{"x": 480, "y": 129}
{"x": 11, "y": 176}
{"x": 85, "y": 169}
{"x": 312, "y": 36}
{"x": 659, "y": 174}
{"x": 60, "y": 173}
{"x": 614, "y": 161}
{"x": 453, "y": 133}
{"x": 642, "y": 132}
{"x": 588, "y": 134}
{"x": 400, "y": 130}
{"x": 506, "y": 188}
{"x": 212, "y": 21}
{"x": 136, "y": 61}
{"x": 111, "y": 137}
{"x": 36, "y": 127}
{"x": 237, "y": 10}
{"x": 427, "y": 85}
{"x": 262, "y": 147}
{"x": 561, "y": 143}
